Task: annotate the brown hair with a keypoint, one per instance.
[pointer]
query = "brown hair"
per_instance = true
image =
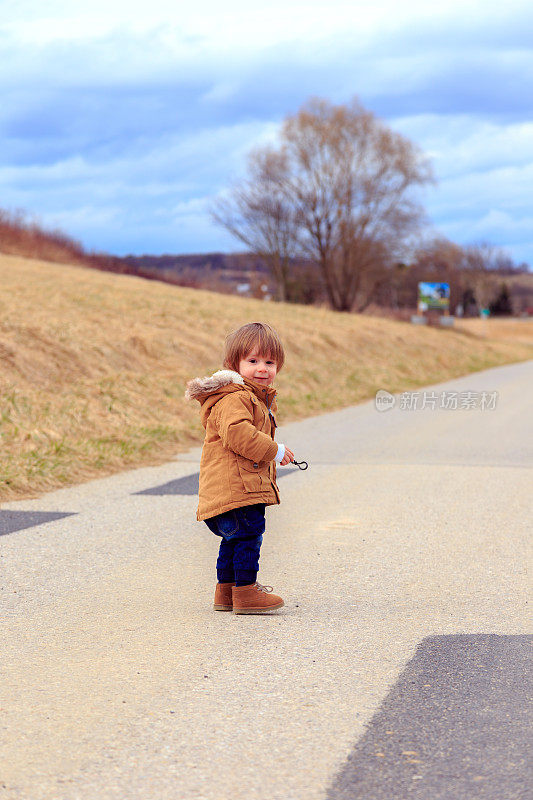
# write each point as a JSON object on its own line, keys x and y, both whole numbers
{"x": 253, "y": 335}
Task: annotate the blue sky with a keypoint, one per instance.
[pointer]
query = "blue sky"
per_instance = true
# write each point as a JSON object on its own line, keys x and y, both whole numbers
{"x": 121, "y": 121}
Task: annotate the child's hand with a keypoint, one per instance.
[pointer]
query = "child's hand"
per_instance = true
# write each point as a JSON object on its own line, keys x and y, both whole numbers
{"x": 287, "y": 458}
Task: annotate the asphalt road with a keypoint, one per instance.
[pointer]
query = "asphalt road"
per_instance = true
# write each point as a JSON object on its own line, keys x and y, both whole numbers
{"x": 398, "y": 667}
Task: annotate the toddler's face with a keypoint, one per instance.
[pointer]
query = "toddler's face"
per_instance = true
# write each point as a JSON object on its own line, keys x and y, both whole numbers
{"x": 258, "y": 368}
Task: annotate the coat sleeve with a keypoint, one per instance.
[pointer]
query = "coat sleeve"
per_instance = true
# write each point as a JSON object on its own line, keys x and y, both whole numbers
{"x": 233, "y": 419}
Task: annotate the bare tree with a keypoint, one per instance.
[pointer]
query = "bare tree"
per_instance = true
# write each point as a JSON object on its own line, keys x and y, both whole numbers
{"x": 482, "y": 263}
{"x": 258, "y": 213}
{"x": 339, "y": 190}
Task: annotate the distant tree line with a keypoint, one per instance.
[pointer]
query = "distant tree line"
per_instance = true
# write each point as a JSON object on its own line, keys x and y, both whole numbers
{"x": 476, "y": 273}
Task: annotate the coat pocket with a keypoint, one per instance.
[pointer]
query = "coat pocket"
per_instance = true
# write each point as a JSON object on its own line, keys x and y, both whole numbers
{"x": 251, "y": 477}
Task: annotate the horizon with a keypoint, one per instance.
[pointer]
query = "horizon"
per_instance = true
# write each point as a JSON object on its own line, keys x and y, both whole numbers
{"x": 206, "y": 253}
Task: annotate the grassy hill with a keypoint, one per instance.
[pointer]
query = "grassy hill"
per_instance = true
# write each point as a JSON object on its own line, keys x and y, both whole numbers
{"x": 93, "y": 366}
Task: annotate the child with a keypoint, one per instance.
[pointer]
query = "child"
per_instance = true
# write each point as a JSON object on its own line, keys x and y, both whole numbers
{"x": 237, "y": 470}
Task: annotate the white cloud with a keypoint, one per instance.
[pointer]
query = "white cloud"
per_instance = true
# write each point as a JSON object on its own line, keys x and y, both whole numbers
{"x": 507, "y": 188}
{"x": 86, "y": 217}
{"x": 462, "y": 144}
{"x": 238, "y": 25}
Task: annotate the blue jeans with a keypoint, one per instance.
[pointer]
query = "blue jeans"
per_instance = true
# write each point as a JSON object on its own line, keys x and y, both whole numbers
{"x": 241, "y": 531}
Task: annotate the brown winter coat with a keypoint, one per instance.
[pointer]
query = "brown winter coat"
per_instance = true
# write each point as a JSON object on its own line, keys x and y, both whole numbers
{"x": 237, "y": 467}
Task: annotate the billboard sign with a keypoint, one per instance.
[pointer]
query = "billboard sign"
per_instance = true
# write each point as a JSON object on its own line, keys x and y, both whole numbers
{"x": 433, "y": 295}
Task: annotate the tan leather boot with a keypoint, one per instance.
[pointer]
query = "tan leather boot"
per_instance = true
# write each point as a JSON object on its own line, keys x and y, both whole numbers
{"x": 223, "y": 598}
{"x": 254, "y": 599}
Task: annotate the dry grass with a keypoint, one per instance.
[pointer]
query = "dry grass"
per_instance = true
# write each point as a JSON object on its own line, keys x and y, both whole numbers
{"x": 93, "y": 366}
{"x": 518, "y": 330}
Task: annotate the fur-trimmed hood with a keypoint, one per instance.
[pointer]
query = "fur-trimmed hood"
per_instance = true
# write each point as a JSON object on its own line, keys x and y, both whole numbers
{"x": 227, "y": 380}
{"x": 199, "y": 387}
{"x": 210, "y": 389}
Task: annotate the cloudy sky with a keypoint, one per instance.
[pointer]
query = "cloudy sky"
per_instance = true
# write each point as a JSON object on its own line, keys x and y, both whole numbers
{"x": 121, "y": 120}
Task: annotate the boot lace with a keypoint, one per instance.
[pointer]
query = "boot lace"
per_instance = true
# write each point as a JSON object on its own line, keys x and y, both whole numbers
{"x": 262, "y": 588}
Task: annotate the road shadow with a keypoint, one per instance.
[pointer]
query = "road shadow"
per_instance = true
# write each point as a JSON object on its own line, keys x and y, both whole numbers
{"x": 188, "y": 485}
{"x": 12, "y": 521}
{"x": 454, "y": 727}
